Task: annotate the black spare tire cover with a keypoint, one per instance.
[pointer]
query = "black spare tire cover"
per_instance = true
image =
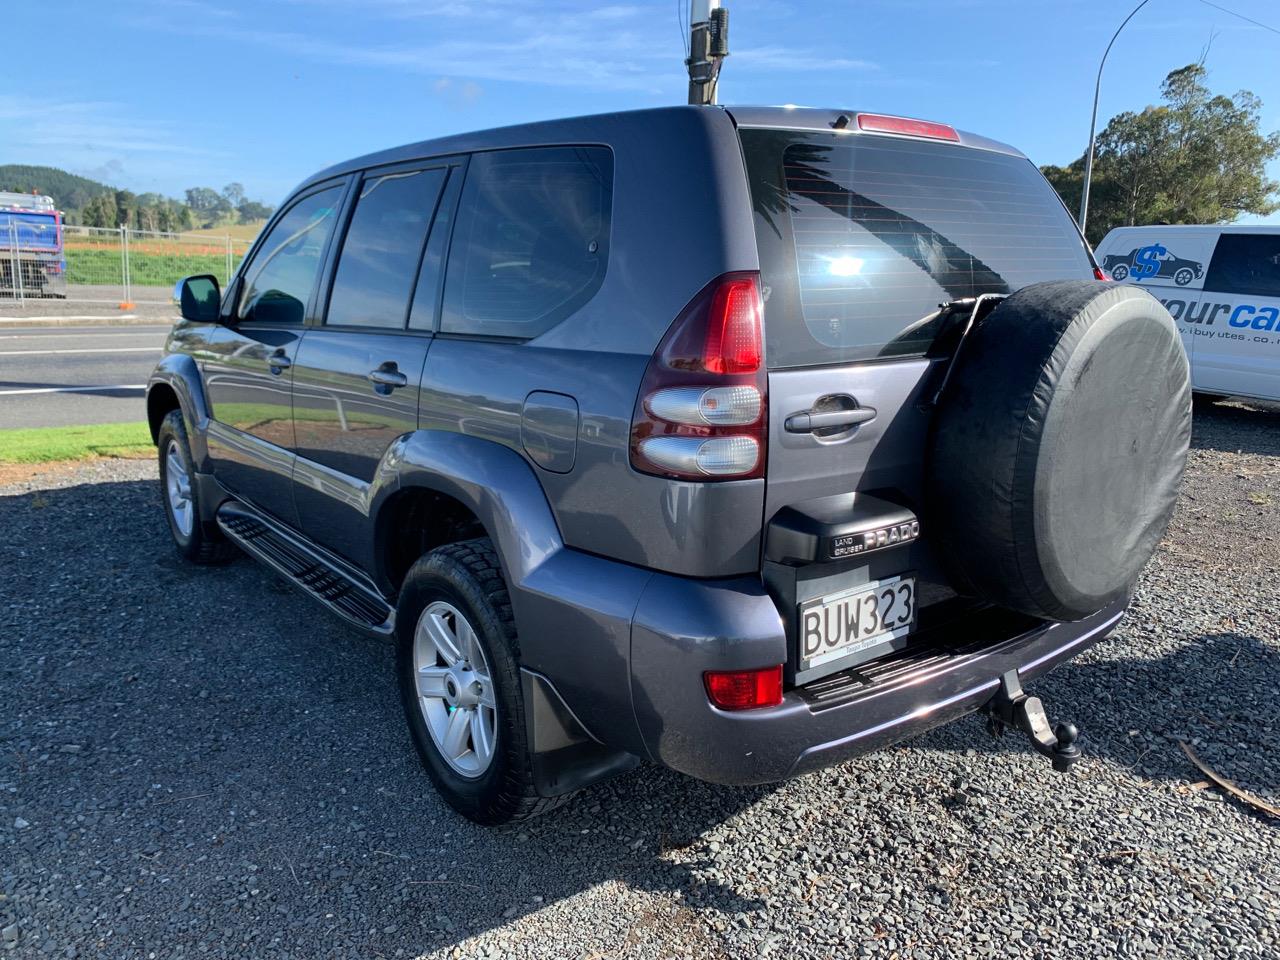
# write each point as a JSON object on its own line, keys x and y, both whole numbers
{"x": 1058, "y": 447}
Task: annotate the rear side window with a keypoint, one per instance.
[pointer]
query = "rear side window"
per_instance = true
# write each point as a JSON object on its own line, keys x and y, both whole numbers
{"x": 1247, "y": 263}
{"x": 861, "y": 238}
{"x": 379, "y": 260}
{"x": 531, "y": 240}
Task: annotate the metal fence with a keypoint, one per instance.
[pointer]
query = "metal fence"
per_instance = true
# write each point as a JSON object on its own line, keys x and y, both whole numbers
{"x": 122, "y": 267}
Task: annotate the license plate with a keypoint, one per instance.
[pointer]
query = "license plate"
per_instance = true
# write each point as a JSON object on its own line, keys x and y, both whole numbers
{"x": 856, "y": 620}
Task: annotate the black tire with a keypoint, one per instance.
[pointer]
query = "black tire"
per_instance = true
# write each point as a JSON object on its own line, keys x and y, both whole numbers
{"x": 467, "y": 576}
{"x": 1058, "y": 447}
{"x": 1183, "y": 276}
{"x": 1120, "y": 271}
{"x": 204, "y": 543}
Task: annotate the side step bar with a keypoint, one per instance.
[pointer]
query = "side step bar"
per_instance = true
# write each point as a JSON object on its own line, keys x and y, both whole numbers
{"x": 343, "y": 591}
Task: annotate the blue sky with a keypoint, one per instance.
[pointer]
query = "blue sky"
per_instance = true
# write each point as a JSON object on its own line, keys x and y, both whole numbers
{"x": 166, "y": 94}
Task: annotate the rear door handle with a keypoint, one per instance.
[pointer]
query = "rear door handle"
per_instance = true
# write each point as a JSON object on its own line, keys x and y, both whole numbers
{"x": 388, "y": 376}
{"x": 808, "y": 421}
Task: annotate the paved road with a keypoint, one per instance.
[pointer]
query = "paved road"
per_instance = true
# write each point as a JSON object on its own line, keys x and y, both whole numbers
{"x": 149, "y": 303}
{"x": 59, "y": 376}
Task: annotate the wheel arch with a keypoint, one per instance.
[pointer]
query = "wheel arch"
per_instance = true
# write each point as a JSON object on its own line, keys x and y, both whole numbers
{"x": 480, "y": 488}
{"x": 175, "y": 385}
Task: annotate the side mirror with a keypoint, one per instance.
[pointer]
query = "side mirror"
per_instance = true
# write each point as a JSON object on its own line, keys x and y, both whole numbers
{"x": 199, "y": 298}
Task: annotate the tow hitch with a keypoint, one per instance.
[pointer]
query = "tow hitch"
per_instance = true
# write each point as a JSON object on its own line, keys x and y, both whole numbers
{"x": 1012, "y": 707}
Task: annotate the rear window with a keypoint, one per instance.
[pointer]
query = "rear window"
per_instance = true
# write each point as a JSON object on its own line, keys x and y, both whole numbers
{"x": 531, "y": 240}
{"x": 861, "y": 238}
{"x": 1247, "y": 263}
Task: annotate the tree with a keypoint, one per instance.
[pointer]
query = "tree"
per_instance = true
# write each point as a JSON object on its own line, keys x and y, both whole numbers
{"x": 126, "y": 207}
{"x": 233, "y": 193}
{"x": 1196, "y": 158}
{"x": 100, "y": 211}
{"x": 251, "y": 211}
{"x": 202, "y": 199}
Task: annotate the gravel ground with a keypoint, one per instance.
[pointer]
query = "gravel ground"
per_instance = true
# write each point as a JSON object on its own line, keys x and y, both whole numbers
{"x": 197, "y": 762}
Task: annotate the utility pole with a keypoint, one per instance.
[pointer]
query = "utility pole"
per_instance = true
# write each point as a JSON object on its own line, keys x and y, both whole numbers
{"x": 708, "y": 46}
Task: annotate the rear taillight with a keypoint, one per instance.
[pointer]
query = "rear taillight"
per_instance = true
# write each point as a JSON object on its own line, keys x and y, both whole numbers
{"x": 744, "y": 689}
{"x": 1099, "y": 275}
{"x": 702, "y": 409}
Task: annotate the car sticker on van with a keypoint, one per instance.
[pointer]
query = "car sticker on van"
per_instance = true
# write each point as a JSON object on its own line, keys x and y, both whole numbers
{"x": 1155, "y": 260}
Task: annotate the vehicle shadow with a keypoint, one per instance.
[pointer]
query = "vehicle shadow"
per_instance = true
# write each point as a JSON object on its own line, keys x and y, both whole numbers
{"x": 233, "y": 754}
{"x": 1229, "y": 426}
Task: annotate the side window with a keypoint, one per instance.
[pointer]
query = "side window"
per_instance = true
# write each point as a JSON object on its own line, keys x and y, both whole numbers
{"x": 379, "y": 259}
{"x": 279, "y": 280}
{"x": 1247, "y": 263}
{"x": 531, "y": 240}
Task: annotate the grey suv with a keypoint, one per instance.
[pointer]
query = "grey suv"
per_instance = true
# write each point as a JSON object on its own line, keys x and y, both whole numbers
{"x": 739, "y": 440}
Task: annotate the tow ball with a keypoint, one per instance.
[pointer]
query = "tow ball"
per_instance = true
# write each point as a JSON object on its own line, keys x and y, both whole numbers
{"x": 1013, "y": 707}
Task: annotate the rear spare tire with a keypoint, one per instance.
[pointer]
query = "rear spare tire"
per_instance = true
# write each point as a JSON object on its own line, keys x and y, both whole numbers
{"x": 1058, "y": 447}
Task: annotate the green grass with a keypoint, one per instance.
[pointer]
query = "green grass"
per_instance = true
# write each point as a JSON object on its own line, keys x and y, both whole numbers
{"x": 44, "y": 444}
{"x": 102, "y": 266}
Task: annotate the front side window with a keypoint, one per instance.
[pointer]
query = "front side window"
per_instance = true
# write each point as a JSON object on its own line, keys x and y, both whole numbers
{"x": 379, "y": 259}
{"x": 531, "y": 240}
{"x": 279, "y": 279}
{"x": 1247, "y": 263}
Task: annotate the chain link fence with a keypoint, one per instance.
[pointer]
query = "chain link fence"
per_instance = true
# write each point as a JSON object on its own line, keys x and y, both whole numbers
{"x": 122, "y": 267}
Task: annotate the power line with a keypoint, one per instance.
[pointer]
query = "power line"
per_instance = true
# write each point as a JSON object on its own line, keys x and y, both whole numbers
{"x": 1256, "y": 23}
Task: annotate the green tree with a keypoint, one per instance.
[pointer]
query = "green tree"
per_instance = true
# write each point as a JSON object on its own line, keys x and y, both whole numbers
{"x": 233, "y": 193}
{"x": 100, "y": 211}
{"x": 126, "y": 208}
{"x": 1199, "y": 157}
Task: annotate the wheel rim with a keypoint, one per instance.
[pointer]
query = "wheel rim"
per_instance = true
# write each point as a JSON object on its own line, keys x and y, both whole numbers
{"x": 455, "y": 689}
{"x": 177, "y": 483}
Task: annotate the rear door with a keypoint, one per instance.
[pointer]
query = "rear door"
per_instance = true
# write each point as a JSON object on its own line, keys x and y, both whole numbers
{"x": 357, "y": 375}
{"x": 861, "y": 238}
{"x": 1240, "y": 354}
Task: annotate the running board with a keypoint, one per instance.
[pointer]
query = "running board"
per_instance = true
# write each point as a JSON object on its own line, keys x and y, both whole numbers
{"x": 307, "y": 567}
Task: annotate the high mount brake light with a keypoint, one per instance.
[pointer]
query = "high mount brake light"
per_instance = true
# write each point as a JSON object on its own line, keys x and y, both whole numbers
{"x": 879, "y": 123}
{"x": 702, "y": 409}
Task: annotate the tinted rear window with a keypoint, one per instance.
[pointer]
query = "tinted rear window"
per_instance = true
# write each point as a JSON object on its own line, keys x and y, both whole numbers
{"x": 1247, "y": 263}
{"x": 531, "y": 241}
{"x": 861, "y": 238}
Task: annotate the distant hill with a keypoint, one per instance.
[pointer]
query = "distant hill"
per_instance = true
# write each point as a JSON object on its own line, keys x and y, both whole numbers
{"x": 70, "y": 192}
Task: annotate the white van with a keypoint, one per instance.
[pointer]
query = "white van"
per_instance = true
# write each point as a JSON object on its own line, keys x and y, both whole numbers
{"x": 1222, "y": 285}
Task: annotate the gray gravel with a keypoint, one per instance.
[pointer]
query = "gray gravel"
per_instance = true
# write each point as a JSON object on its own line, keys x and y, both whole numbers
{"x": 197, "y": 762}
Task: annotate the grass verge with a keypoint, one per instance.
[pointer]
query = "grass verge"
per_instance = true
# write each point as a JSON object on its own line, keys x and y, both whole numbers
{"x": 45, "y": 444}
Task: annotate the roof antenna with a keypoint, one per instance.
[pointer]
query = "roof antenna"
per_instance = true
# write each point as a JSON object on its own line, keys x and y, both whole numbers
{"x": 708, "y": 46}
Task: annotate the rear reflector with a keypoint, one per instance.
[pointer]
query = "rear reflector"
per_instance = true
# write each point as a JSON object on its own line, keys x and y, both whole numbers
{"x": 1099, "y": 275}
{"x": 744, "y": 689}
{"x": 878, "y": 123}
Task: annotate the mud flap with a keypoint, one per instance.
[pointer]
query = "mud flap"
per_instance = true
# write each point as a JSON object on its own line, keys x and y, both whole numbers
{"x": 1013, "y": 707}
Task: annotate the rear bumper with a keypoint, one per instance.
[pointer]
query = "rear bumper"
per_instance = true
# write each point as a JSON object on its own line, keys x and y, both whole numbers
{"x": 682, "y": 628}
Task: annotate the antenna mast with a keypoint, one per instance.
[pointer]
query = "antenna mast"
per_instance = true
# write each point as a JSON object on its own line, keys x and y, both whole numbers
{"x": 708, "y": 46}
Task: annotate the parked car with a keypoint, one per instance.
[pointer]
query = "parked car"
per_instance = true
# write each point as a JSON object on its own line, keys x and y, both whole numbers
{"x": 1229, "y": 314}
{"x": 741, "y": 440}
{"x": 1143, "y": 263}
